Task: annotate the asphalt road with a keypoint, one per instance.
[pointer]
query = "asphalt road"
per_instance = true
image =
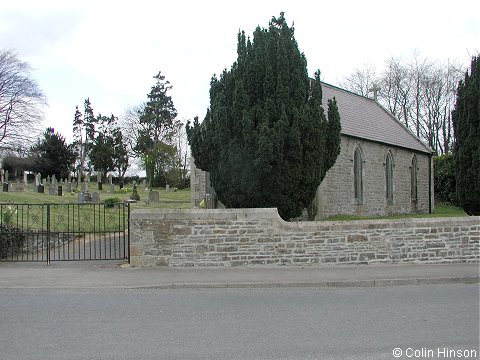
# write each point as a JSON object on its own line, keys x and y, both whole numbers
{"x": 287, "y": 323}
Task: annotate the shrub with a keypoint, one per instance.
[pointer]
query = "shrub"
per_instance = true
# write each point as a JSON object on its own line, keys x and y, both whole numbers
{"x": 444, "y": 178}
{"x": 110, "y": 202}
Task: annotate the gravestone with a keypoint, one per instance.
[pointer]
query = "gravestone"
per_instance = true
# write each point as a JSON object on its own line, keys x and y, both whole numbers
{"x": 68, "y": 187}
{"x": 110, "y": 182}
{"x": 6, "y": 176}
{"x": 25, "y": 181}
{"x": 41, "y": 188}
{"x": 144, "y": 184}
{"x": 2, "y": 176}
{"x": 99, "y": 180}
{"x": 52, "y": 187}
{"x": 95, "y": 197}
{"x": 60, "y": 190}
{"x": 167, "y": 188}
{"x": 153, "y": 197}
{"x": 84, "y": 197}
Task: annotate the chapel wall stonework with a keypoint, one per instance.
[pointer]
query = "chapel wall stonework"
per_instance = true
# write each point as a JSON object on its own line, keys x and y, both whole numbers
{"x": 198, "y": 184}
{"x": 336, "y": 194}
{"x": 234, "y": 237}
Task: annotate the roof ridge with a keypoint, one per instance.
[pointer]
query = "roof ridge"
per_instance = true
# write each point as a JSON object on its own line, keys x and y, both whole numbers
{"x": 347, "y": 91}
{"x": 386, "y": 111}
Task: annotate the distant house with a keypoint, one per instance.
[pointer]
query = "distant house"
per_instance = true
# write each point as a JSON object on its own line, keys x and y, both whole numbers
{"x": 382, "y": 168}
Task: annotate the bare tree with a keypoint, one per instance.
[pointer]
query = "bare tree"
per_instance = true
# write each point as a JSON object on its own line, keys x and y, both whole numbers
{"x": 361, "y": 81}
{"x": 21, "y": 100}
{"x": 420, "y": 93}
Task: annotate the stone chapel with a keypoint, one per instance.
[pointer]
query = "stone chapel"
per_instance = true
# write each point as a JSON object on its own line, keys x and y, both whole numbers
{"x": 382, "y": 168}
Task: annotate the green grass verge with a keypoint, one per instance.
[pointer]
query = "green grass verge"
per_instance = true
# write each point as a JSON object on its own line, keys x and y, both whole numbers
{"x": 441, "y": 210}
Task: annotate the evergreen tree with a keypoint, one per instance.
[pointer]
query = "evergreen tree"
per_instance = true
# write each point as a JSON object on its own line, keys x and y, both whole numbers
{"x": 265, "y": 138}
{"x": 83, "y": 133}
{"x": 108, "y": 151}
{"x": 158, "y": 125}
{"x": 466, "y": 124}
{"x": 52, "y": 155}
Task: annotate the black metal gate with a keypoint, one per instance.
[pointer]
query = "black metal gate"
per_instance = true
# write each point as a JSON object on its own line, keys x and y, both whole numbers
{"x": 64, "y": 232}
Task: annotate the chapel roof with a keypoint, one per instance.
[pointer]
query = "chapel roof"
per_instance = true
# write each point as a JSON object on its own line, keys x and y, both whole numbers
{"x": 364, "y": 118}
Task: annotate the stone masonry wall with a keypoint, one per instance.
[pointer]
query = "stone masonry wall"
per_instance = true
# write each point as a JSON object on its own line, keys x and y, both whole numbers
{"x": 336, "y": 194}
{"x": 232, "y": 237}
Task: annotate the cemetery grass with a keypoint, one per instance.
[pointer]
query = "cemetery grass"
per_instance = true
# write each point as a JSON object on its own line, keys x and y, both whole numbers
{"x": 179, "y": 199}
{"x": 86, "y": 217}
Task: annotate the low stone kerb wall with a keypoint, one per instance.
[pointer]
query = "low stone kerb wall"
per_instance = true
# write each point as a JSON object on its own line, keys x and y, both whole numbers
{"x": 232, "y": 237}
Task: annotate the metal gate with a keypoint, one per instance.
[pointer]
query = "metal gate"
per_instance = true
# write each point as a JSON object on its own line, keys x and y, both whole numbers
{"x": 64, "y": 232}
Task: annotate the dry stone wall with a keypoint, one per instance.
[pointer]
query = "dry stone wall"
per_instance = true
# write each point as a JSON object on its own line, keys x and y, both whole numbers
{"x": 233, "y": 237}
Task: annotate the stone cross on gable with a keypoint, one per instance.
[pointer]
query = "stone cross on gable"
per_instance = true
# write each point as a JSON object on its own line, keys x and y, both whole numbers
{"x": 375, "y": 89}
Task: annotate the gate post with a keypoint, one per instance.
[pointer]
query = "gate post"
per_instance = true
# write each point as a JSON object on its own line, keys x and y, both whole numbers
{"x": 48, "y": 234}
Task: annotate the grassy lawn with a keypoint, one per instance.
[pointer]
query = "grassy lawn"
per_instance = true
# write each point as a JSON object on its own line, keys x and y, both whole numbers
{"x": 439, "y": 211}
{"x": 84, "y": 217}
{"x": 179, "y": 199}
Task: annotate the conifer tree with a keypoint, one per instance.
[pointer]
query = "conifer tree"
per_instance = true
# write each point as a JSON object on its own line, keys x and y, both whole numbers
{"x": 466, "y": 124}
{"x": 265, "y": 138}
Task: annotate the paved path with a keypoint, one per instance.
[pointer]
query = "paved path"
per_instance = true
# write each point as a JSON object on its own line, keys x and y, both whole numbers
{"x": 117, "y": 275}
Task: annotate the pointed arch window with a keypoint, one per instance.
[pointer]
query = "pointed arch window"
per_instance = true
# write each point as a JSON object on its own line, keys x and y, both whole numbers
{"x": 357, "y": 175}
{"x": 413, "y": 180}
{"x": 389, "y": 177}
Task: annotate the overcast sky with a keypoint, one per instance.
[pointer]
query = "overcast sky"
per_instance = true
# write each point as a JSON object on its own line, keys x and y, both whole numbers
{"x": 110, "y": 50}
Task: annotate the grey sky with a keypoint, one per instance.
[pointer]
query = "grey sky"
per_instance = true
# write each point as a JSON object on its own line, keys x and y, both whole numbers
{"x": 109, "y": 50}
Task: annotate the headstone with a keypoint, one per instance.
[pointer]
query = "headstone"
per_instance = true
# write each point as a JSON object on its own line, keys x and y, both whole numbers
{"x": 52, "y": 191}
{"x": 68, "y": 187}
{"x": 144, "y": 184}
{"x": 25, "y": 181}
{"x": 60, "y": 190}
{"x": 54, "y": 180}
{"x": 38, "y": 178}
{"x": 2, "y": 176}
{"x": 84, "y": 186}
{"x": 153, "y": 197}
{"x": 41, "y": 188}
{"x": 110, "y": 182}
{"x": 95, "y": 197}
{"x": 5, "y": 187}
{"x": 167, "y": 188}
{"x": 48, "y": 180}
{"x": 99, "y": 180}
{"x": 6, "y": 176}
{"x": 81, "y": 197}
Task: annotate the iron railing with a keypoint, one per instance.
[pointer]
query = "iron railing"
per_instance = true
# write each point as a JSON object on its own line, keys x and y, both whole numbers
{"x": 64, "y": 232}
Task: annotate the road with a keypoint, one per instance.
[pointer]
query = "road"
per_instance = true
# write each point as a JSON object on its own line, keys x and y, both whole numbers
{"x": 286, "y": 323}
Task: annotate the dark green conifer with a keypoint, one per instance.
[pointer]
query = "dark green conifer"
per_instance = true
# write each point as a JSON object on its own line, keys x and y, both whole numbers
{"x": 265, "y": 139}
{"x": 466, "y": 124}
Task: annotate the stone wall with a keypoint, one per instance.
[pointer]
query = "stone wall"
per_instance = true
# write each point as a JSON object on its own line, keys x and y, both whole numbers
{"x": 232, "y": 237}
{"x": 336, "y": 194}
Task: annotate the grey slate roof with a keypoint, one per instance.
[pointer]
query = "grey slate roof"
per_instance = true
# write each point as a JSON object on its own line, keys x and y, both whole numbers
{"x": 364, "y": 118}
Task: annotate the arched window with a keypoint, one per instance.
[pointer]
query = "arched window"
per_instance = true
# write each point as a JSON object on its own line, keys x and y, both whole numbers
{"x": 389, "y": 177}
{"x": 413, "y": 180}
{"x": 357, "y": 175}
